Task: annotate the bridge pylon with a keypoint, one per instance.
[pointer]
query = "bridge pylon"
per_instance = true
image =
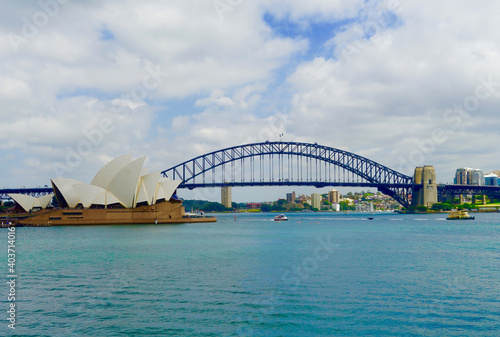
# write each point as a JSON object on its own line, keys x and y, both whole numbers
{"x": 425, "y": 189}
{"x": 226, "y": 196}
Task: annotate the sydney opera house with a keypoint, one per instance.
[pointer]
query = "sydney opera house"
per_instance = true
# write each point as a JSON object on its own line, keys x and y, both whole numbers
{"x": 122, "y": 192}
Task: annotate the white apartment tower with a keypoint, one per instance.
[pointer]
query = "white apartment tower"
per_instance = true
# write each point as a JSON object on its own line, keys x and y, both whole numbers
{"x": 316, "y": 200}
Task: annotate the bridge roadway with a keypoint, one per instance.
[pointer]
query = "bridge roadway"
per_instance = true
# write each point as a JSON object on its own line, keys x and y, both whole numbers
{"x": 443, "y": 189}
{"x": 34, "y": 192}
{"x": 317, "y": 184}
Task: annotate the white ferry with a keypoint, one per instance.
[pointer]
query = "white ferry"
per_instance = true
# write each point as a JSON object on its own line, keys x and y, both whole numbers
{"x": 280, "y": 217}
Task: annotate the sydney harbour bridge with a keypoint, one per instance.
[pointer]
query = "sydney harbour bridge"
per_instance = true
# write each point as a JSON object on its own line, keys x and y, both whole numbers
{"x": 280, "y": 163}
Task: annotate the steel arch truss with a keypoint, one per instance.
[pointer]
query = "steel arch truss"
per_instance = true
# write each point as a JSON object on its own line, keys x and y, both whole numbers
{"x": 291, "y": 164}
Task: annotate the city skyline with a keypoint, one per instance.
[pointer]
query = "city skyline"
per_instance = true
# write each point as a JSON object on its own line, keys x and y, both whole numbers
{"x": 403, "y": 84}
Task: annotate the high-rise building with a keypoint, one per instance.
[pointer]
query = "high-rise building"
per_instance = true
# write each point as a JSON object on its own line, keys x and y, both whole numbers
{"x": 462, "y": 176}
{"x": 491, "y": 179}
{"x": 316, "y": 200}
{"x": 334, "y": 196}
{"x": 226, "y": 198}
{"x": 469, "y": 176}
{"x": 290, "y": 197}
{"x": 477, "y": 177}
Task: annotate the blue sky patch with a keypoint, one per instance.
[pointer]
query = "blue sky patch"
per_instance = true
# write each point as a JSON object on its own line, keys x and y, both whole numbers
{"x": 316, "y": 32}
{"x": 106, "y": 34}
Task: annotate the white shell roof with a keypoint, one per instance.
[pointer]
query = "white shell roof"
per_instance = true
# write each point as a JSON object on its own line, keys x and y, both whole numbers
{"x": 106, "y": 199}
{"x": 147, "y": 187}
{"x": 124, "y": 183}
{"x": 28, "y": 202}
{"x": 88, "y": 193}
{"x": 44, "y": 200}
{"x": 120, "y": 181}
{"x": 108, "y": 172}
{"x": 166, "y": 189}
{"x": 65, "y": 186}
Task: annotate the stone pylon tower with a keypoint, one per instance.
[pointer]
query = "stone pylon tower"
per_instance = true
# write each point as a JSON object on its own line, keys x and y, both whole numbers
{"x": 426, "y": 193}
{"x": 226, "y": 196}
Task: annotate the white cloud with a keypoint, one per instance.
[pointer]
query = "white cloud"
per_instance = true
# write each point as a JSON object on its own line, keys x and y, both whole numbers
{"x": 396, "y": 88}
{"x": 11, "y": 88}
{"x": 216, "y": 97}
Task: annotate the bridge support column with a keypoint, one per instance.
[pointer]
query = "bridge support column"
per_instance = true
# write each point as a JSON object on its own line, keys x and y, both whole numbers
{"x": 417, "y": 194}
{"x": 225, "y": 196}
{"x": 484, "y": 199}
{"x": 426, "y": 193}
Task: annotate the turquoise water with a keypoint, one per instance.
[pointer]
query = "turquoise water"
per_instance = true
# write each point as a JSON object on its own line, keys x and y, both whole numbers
{"x": 315, "y": 275}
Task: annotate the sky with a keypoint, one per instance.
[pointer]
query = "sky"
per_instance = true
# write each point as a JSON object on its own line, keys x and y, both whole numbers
{"x": 403, "y": 83}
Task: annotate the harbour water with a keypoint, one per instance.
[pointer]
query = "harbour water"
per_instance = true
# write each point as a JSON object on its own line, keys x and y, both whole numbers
{"x": 318, "y": 274}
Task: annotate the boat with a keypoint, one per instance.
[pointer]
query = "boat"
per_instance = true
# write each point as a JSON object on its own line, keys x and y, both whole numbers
{"x": 371, "y": 218}
{"x": 459, "y": 215}
{"x": 280, "y": 217}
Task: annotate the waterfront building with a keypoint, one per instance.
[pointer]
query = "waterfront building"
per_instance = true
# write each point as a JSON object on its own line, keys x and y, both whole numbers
{"x": 302, "y": 199}
{"x": 334, "y": 196}
{"x": 122, "y": 192}
{"x": 290, "y": 197}
{"x": 469, "y": 176}
{"x": 477, "y": 177}
{"x": 316, "y": 200}
{"x": 491, "y": 179}
{"x": 462, "y": 176}
{"x": 122, "y": 182}
{"x": 307, "y": 200}
{"x": 226, "y": 197}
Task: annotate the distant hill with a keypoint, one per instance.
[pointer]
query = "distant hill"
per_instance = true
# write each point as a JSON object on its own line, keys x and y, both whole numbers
{"x": 203, "y": 205}
{"x": 497, "y": 172}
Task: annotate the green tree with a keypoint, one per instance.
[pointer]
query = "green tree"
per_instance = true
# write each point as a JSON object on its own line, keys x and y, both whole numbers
{"x": 214, "y": 207}
{"x": 281, "y": 202}
{"x": 421, "y": 208}
{"x": 204, "y": 205}
{"x": 266, "y": 208}
{"x": 469, "y": 206}
{"x": 345, "y": 206}
{"x": 442, "y": 207}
